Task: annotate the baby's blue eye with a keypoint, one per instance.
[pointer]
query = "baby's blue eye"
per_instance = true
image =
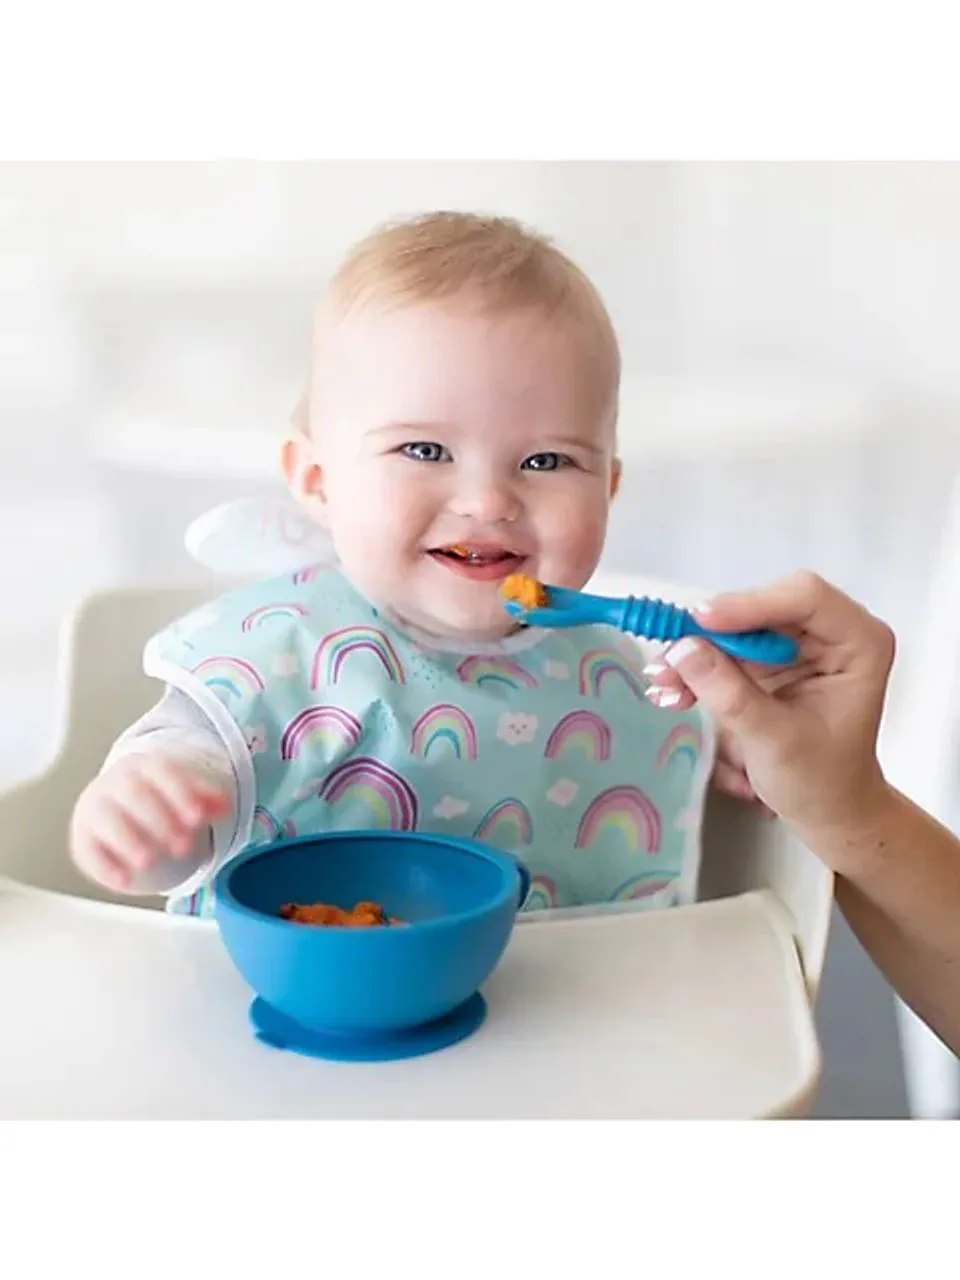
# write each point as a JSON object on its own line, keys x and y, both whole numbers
{"x": 545, "y": 462}
{"x": 425, "y": 451}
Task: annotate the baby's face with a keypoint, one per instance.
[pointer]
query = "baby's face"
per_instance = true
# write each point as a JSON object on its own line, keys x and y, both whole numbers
{"x": 439, "y": 428}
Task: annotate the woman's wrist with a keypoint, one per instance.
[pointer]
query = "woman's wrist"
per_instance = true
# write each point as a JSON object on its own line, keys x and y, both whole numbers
{"x": 863, "y": 841}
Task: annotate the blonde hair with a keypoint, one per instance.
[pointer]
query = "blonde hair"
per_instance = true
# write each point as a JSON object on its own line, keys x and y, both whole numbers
{"x": 499, "y": 262}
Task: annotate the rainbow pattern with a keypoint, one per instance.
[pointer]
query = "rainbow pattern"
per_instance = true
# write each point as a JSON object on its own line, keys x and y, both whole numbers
{"x": 266, "y": 828}
{"x": 388, "y": 799}
{"x": 196, "y": 904}
{"x": 542, "y": 895}
{"x": 506, "y": 825}
{"x": 267, "y": 612}
{"x": 233, "y": 676}
{"x": 625, "y": 810}
{"x": 303, "y": 576}
{"x": 597, "y": 665}
{"x": 645, "y": 886}
{"x": 485, "y": 669}
{"x": 684, "y": 741}
{"x": 580, "y": 731}
{"x": 337, "y": 647}
{"x": 441, "y": 724}
{"x": 331, "y": 729}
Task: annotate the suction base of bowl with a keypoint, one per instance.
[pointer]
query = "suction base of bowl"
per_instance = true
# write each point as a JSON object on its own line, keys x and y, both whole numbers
{"x": 280, "y": 1032}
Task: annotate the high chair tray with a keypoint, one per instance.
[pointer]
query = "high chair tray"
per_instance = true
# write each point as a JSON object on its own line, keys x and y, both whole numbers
{"x": 114, "y": 1012}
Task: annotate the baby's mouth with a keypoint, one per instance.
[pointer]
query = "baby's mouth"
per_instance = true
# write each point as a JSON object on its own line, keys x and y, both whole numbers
{"x": 482, "y": 561}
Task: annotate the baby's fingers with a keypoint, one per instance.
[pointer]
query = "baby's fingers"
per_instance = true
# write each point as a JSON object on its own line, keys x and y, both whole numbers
{"x": 98, "y": 863}
{"x": 193, "y": 799}
{"x": 154, "y": 813}
{"x": 118, "y": 833}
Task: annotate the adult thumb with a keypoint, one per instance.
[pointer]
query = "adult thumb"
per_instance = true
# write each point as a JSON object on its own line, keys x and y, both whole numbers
{"x": 722, "y": 687}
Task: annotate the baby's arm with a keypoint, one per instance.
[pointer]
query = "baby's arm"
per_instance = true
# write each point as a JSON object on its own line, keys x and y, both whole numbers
{"x": 164, "y": 802}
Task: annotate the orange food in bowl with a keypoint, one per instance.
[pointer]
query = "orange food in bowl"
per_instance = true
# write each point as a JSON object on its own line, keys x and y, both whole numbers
{"x": 365, "y": 915}
{"x": 525, "y": 591}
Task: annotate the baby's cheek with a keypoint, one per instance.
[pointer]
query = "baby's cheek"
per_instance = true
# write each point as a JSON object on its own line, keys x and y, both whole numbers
{"x": 371, "y": 516}
{"x": 576, "y": 543}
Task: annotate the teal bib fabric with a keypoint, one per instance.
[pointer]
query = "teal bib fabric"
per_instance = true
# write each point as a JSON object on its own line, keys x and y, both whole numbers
{"x": 336, "y": 718}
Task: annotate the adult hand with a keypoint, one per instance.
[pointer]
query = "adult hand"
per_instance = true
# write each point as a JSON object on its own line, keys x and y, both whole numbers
{"x": 801, "y": 740}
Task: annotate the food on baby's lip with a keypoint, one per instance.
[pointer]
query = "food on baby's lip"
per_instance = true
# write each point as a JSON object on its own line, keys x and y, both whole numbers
{"x": 525, "y": 591}
{"x": 458, "y": 549}
{"x": 365, "y": 915}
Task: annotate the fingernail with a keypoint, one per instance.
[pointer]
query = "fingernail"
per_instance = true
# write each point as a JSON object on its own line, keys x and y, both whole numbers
{"x": 703, "y": 607}
{"x": 663, "y": 697}
{"x": 682, "y": 651}
{"x": 654, "y": 669}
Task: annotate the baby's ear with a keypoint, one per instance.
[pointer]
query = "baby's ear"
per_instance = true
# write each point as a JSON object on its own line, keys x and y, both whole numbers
{"x": 303, "y": 474}
{"x": 616, "y": 471}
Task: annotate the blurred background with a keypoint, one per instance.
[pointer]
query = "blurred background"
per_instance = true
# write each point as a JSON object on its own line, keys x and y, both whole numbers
{"x": 791, "y": 398}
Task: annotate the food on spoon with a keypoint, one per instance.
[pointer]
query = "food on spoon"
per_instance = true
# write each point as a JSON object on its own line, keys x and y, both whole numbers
{"x": 525, "y": 591}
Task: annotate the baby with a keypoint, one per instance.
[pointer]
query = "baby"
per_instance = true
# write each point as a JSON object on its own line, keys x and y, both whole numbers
{"x": 459, "y": 426}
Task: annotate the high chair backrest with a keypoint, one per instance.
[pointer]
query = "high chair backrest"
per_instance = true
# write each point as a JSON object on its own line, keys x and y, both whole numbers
{"x": 104, "y": 690}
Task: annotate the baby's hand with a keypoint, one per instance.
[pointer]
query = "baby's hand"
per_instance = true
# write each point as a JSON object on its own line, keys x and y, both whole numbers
{"x": 138, "y": 811}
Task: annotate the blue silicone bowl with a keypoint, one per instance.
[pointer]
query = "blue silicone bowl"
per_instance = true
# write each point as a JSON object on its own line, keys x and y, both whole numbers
{"x": 459, "y": 899}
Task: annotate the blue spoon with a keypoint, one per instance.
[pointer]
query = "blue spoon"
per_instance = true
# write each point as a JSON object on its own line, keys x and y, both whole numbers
{"x": 654, "y": 620}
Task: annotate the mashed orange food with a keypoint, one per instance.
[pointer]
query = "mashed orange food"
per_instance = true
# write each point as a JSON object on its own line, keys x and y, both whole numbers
{"x": 365, "y": 915}
{"x": 526, "y": 592}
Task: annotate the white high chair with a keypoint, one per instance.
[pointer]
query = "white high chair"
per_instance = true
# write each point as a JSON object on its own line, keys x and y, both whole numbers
{"x": 702, "y": 1011}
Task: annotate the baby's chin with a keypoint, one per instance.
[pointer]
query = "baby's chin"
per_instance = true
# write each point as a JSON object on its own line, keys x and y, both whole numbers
{"x": 470, "y": 631}
{"x": 480, "y": 626}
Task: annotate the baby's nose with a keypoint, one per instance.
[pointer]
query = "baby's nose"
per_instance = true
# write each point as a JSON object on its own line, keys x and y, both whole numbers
{"x": 487, "y": 503}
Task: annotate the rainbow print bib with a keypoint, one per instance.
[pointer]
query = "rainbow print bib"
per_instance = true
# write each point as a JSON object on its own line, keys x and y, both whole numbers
{"x": 543, "y": 745}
